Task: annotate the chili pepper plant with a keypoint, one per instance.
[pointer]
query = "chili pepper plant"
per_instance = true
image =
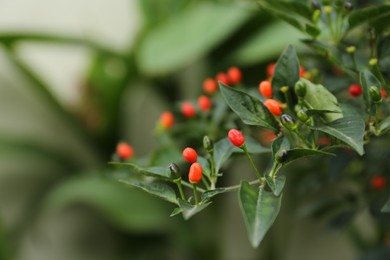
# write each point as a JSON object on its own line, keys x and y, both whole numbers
{"x": 326, "y": 101}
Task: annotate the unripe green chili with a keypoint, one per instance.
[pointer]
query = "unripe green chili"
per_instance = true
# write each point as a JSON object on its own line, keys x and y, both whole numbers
{"x": 175, "y": 171}
{"x": 300, "y": 89}
{"x": 208, "y": 144}
{"x": 375, "y": 94}
{"x": 302, "y": 115}
{"x": 288, "y": 122}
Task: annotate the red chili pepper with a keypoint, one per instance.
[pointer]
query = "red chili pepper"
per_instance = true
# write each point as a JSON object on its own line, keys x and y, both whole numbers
{"x": 204, "y": 103}
{"x": 124, "y": 150}
{"x": 378, "y": 182}
{"x": 265, "y": 88}
{"x": 167, "y": 119}
{"x": 271, "y": 69}
{"x": 236, "y": 137}
{"x": 223, "y": 78}
{"x": 210, "y": 86}
{"x": 234, "y": 75}
{"x": 273, "y": 106}
{"x": 355, "y": 90}
{"x": 190, "y": 155}
{"x": 195, "y": 174}
{"x": 187, "y": 109}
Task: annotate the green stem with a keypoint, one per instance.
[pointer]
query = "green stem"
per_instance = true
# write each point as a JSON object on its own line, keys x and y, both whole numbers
{"x": 353, "y": 61}
{"x": 243, "y": 147}
{"x": 305, "y": 142}
{"x": 273, "y": 170}
{"x": 379, "y": 74}
{"x": 213, "y": 175}
{"x": 377, "y": 108}
{"x": 195, "y": 194}
{"x": 178, "y": 183}
{"x": 205, "y": 183}
{"x": 188, "y": 185}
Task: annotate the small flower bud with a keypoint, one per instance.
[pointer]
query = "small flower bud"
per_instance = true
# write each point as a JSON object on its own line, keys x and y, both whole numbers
{"x": 300, "y": 89}
{"x": 288, "y": 122}
{"x": 348, "y": 6}
{"x": 208, "y": 144}
{"x": 315, "y": 5}
{"x": 375, "y": 94}
{"x": 175, "y": 171}
{"x": 302, "y": 115}
{"x": 350, "y": 49}
{"x": 316, "y": 16}
{"x": 281, "y": 156}
{"x": 328, "y": 9}
{"x": 373, "y": 62}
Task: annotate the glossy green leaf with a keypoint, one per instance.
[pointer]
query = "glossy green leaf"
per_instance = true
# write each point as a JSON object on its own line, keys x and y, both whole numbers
{"x": 205, "y": 165}
{"x": 265, "y": 44}
{"x": 296, "y": 153}
{"x": 223, "y": 149}
{"x": 367, "y": 79}
{"x": 280, "y": 143}
{"x": 158, "y": 172}
{"x": 276, "y": 184}
{"x": 319, "y": 98}
{"x": 211, "y": 193}
{"x": 129, "y": 209}
{"x": 317, "y": 112}
{"x": 292, "y": 7}
{"x": 384, "y": 57}
{"x": 158, "y": 189}
{"x": 349, "y": 130}
{"x": 385, "y": 126}
{"x": 250, "y": 109}
{"x": 187, "y": 36}
{"x": 367, "y": 15}
{"x": 190, "y": 210}
{"x": 386, "y": 207}
{"x": 286, "y": 71}
{"x": 260, "y": 209}
{"x": 287, "y": 17}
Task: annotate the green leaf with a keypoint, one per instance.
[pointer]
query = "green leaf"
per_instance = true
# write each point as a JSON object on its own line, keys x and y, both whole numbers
{"x": 248, "y": 108}
{"x": 292, "y": 20}
{"x": 158, "y": 189}
{"x": 385, "y": 126}
{"x": 158, "y": 172}
{"x": 312, "y": 30}
{"x": 384, "y": 57}
{"x": 349, "y": 130}
{"x": 319, "y": 98}
{"x": 286, "y": 71}
{"x": 176, "y": 211}
{"x": 291, "y": 7}
{"x": 211, "y": 193}
{"x": 223, "y": 149}
{"x": 368, "y": 14}
{"x": 296, "y": 153}
{"x": 280, "y": 143}
{"x": 190, "y": 210}
{"x": 205, "y": 165}
{"x": 260, "y": 209}
{"x": 187, "y": 36}
{"x": 129, "y": 209}
{"x": 265, "y": 44}
{"x": 386, "y": 207}
{"x": 276, "y": 184}
{"x": 367, "y": 79}
{"x": 317, "y": 112}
